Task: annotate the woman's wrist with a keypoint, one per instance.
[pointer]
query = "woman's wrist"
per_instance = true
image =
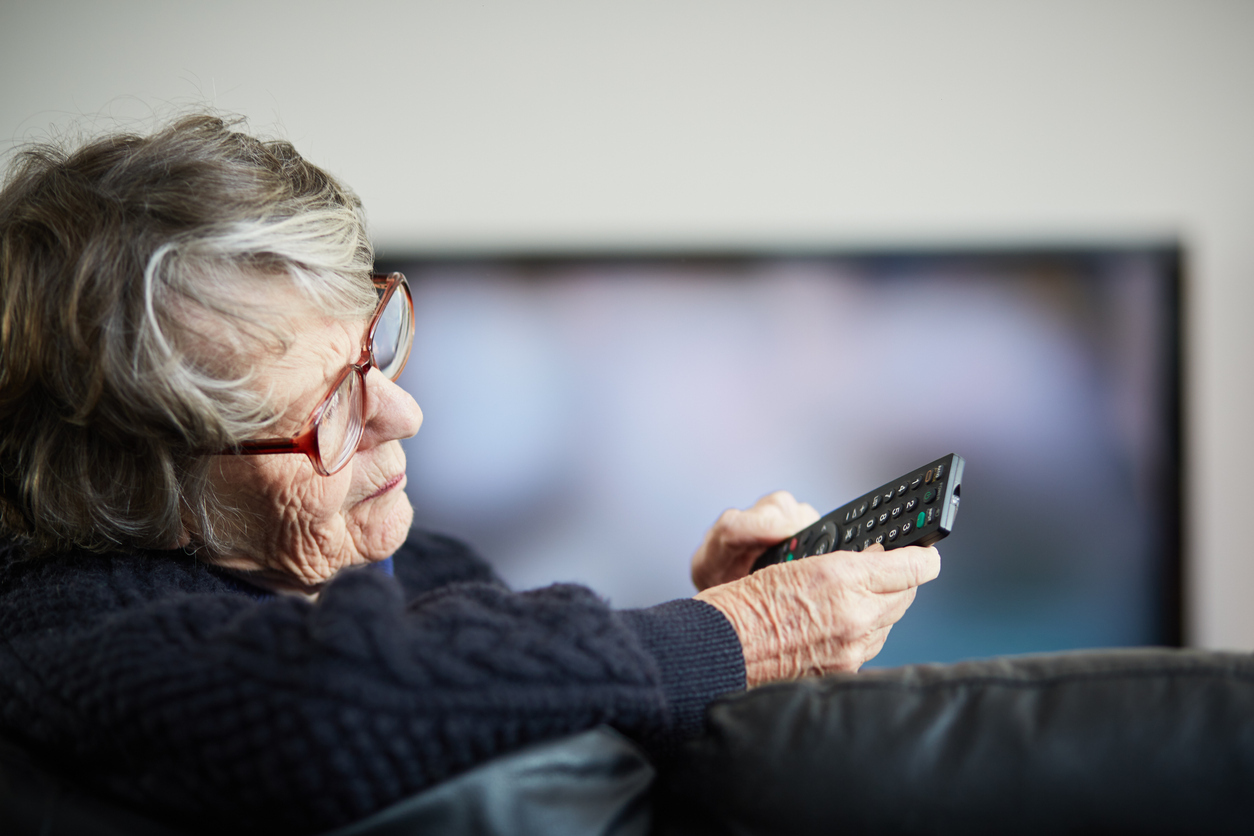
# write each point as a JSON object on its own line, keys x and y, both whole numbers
{"x": 757, "y": 627}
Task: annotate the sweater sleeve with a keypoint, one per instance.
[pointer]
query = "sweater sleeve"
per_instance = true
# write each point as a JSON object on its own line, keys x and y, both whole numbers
{"x": 695, "y": 649}
{"x": 286, "y": 715}
{"x": 698, "y": 657}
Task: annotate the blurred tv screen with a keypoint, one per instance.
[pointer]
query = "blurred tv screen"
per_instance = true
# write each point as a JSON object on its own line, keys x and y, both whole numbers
{"x": 587, "y": 417}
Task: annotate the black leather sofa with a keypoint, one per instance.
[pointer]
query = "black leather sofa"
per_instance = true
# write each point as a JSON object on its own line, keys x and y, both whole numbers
{"x": 1127, "y": 741}
{"x": 1131, "y": 741}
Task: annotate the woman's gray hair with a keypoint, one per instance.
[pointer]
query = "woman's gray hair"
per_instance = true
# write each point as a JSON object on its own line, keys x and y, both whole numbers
{"x": 116, "y": 259}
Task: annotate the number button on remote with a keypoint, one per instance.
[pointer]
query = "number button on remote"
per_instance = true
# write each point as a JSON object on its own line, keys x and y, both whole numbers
{"x": 918, "y": 480}
{"x": 906, "y": 527}
{"x": 896, "y": 512}
{"x": 911, "y": 503}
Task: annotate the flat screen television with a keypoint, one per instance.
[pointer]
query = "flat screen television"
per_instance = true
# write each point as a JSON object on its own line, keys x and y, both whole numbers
{"x": 587, "y": 416}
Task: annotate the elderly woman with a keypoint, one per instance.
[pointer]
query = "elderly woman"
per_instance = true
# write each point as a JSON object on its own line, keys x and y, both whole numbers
{"x": 211, "y": 601}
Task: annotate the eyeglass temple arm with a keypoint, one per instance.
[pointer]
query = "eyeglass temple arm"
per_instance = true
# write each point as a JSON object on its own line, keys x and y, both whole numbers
{"x": 262, "y": 446}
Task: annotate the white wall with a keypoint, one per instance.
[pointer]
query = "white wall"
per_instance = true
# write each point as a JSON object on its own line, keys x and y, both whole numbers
{"x": 535, "y": 124}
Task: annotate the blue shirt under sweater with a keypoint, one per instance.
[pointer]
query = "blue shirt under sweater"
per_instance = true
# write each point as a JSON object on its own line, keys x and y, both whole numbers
{"x": 172, "y": 685}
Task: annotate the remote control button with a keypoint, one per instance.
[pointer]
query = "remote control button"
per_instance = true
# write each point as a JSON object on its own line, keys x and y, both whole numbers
{"x": 920, "y": 520}
{"x": 792, "y": 545}
{"x": 930, "y": 496}
{"x": 888, "y": 497}
{"x": 928, "y": 477}
{"x": 826, "y": 539}
{"x": 940, "y": 471}
{"x": 789, "y": 559}
{"x": 892, "y": 534}
{"x": 896, "y": 512}
{"x": 879, "y": 538}
{"x": 875, "y": 503}
{"x": 902, "y": 488}
{"x": 862, "y": 509}
{"x": 918, "y": 480}
{"x": 866, "y": 544}
{"x": 869, "y": 524}
{"x": 850, "y": 533}
{"x": 905, "y": 528}
{"x": 933, "y": 515}
{"x": 883, "y": 518}
{"x": 911, "y": 503}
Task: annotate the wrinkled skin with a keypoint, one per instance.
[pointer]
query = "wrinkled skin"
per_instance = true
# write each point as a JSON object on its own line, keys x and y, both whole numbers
{"x": 309, "y": 526}
{"x": 824, "y": 614}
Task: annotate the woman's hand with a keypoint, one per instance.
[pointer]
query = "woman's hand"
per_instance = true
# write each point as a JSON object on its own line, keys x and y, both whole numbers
{"x": 824, "y": 614}
{"x": 739, "y": 537}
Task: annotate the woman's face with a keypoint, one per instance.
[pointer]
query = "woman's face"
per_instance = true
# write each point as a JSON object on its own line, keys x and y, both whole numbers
{"x": 309, "y": 526}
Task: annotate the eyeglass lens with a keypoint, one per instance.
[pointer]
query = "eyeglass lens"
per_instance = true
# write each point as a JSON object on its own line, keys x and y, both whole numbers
{"x": 340, "y": 424}
{"x": 339, "y": 427}
{"x": 390, "y": 333}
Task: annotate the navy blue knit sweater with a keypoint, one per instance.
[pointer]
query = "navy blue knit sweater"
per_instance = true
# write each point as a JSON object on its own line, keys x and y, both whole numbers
{"x": 172, "y": 685}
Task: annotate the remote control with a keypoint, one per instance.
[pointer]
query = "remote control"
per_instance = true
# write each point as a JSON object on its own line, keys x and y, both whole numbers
{"x": 917, "y": 509}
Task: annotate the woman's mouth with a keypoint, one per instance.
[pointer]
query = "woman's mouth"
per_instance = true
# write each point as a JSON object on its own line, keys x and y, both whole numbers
{"x": 386, "y": 486}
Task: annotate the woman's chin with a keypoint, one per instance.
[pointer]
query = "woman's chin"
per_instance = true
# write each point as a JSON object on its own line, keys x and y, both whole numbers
{"x": 386, "y": 526}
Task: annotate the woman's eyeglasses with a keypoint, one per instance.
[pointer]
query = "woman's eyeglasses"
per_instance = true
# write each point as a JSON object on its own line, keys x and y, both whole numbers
{"x": 331, "y": 434}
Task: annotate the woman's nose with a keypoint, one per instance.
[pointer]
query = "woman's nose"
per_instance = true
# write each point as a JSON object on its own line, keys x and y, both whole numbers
{"x": 391, "y": 412}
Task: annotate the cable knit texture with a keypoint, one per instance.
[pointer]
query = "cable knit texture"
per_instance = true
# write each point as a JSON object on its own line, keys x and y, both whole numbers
{"x": 171, "y": 685}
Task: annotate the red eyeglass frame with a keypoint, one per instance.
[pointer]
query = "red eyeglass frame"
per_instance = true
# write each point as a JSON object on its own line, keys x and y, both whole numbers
{"x": 306, "y": 440}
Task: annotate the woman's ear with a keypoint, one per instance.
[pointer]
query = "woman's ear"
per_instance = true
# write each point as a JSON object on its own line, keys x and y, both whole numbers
{"x": 187, "y": 521}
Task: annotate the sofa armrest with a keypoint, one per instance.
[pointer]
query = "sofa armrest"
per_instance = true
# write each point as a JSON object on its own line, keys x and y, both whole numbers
{"x": 1124, "y": 741}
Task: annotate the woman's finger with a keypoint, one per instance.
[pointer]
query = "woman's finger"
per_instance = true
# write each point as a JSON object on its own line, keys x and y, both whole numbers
{"x": 773, "y": 517}
{"x": 896, "y": 569}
